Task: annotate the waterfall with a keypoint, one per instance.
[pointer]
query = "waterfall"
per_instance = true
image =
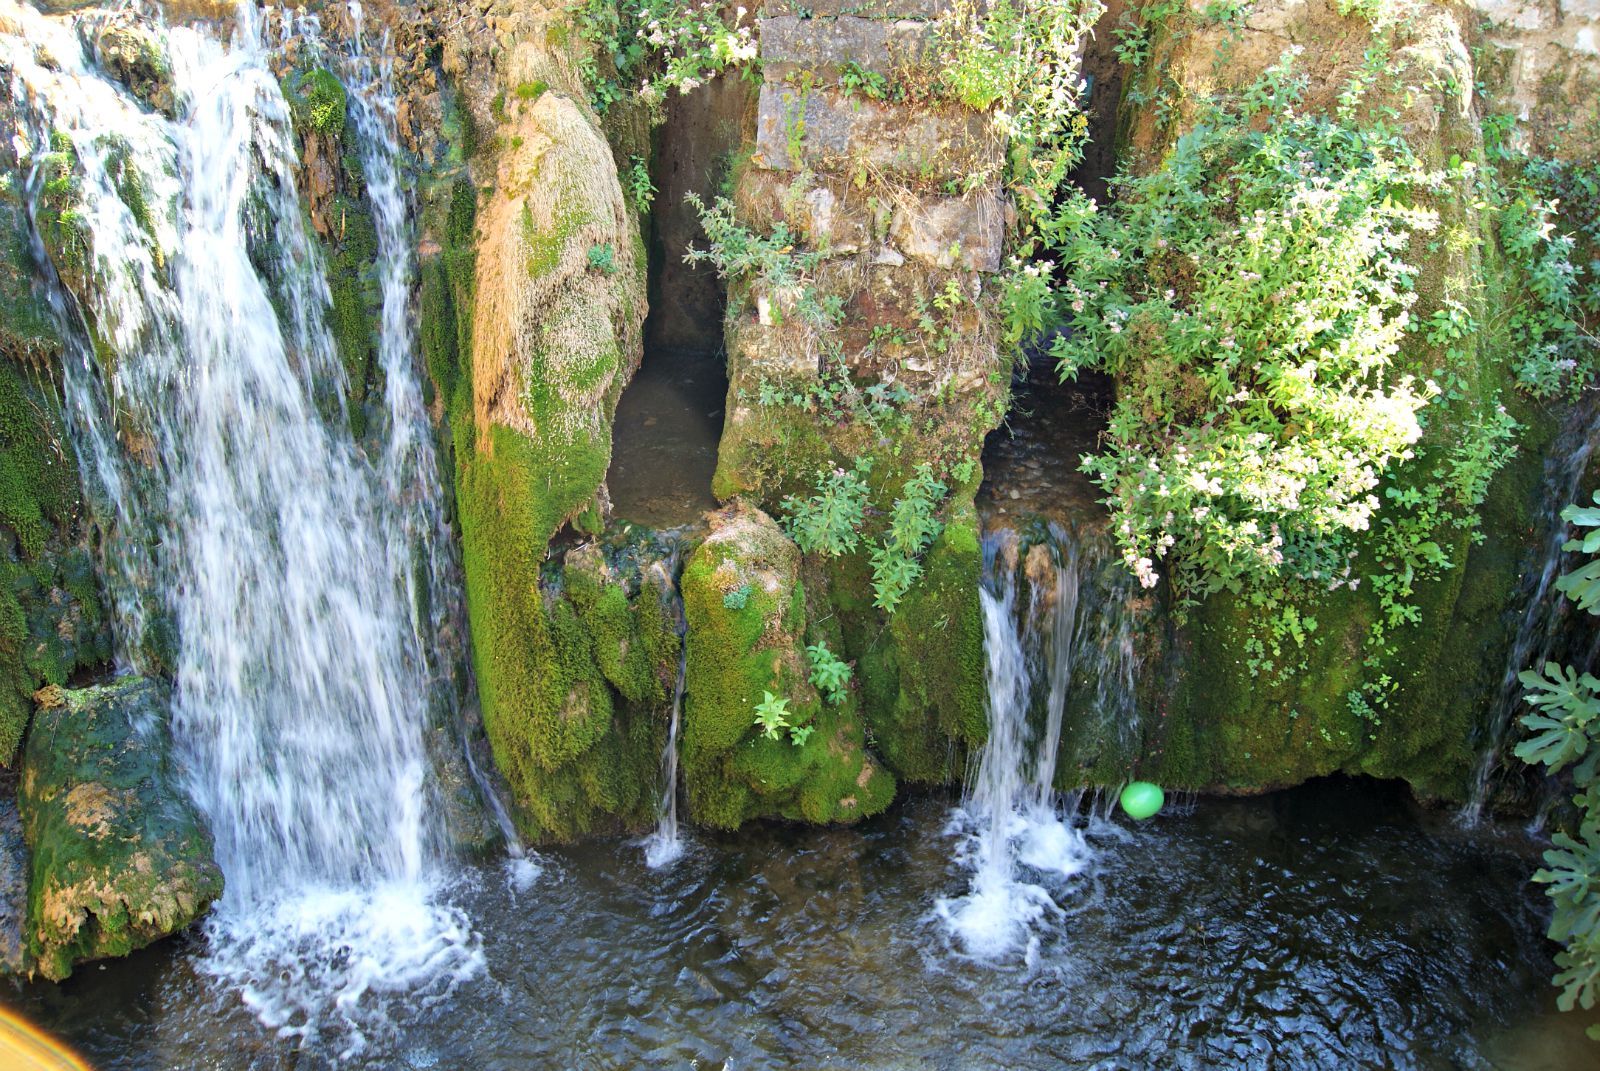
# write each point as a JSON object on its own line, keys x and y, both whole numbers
{"x": 1072, "y": 635}
{"x": 663, "y": 847}
{"x": 1541, "y": 628}
{"x": 304, "y": 585}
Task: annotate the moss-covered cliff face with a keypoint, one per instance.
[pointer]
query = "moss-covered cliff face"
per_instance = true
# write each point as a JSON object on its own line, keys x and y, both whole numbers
{"x": 1242, "y": 707}
{"x": 533, "y": 302}
{"x": 52, "y": 623}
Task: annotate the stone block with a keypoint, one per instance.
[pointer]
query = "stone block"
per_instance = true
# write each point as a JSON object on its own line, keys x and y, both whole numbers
{"x": 880, "y": 45}
{"x": 952, "y": 232}
{"x": 832, "y": 132}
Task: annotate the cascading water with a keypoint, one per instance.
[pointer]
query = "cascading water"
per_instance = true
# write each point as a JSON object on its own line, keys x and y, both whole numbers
{"x": 1541, "y": 629}
{"x": 1010, "y": 823}
{"x": 305, "y": 584}
{"x": 663, "y": 847}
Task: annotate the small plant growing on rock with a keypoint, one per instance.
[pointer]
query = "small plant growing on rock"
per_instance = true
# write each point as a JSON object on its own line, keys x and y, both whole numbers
{"x": 640, "y": 189}
{"x": 772, "y": 715}
{"x": 738, "y": 598}
{"x": 828, "y": 673}
{"x": 829, "y": 521}
{"x": 897, "y": 565}
{"x": 603, "y": 259}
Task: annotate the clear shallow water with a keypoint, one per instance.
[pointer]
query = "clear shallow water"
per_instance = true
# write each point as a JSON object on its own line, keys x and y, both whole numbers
{"x": 1327, "y": 927}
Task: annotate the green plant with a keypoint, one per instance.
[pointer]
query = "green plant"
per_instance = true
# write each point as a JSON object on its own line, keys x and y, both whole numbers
{"x": 828, "y": 673}
{"x": 1566, "y": 735}
{"x": 650, "y": 48}
{"x": 1019, "y": 60}
{"x": 829, "y": 521}
{"x": 1256, "y": 288}
{"x": 603, "y": 259}
{"x": 855, "y": 79}
{"x": 772, "y": 715}
{"x": 738, "y": 598}
{"x": 640, "y": 189}
{"x": 532, "y": 90}
{"x": 896, "y": 563}
{"x": 739, "y": 253}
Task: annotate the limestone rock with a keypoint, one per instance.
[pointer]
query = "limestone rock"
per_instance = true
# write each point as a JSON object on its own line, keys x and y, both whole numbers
{"x": 827, "y": 130}
{"x": 121, "y": 857}
{"x": 953, "y": 232}
{"x": 132, "y": 53}
{"x": 820, "y": 45}
{"x": 746, "y": 611}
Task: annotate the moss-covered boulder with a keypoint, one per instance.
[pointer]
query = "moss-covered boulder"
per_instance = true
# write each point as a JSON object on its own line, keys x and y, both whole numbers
{"x": 746, "y": 609}
{"x": 120, "y": 856}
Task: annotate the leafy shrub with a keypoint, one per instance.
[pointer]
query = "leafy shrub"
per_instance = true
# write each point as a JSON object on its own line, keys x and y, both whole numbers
{"x": 652, "y": 47}
{"x": 829, "y": 522}
{"x": 737, "y": 252}
{"x": 1254, "y": 294}
{"x": 896, "y": 563}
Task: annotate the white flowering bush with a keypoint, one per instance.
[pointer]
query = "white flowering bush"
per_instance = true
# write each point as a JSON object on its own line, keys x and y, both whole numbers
{"x": 1251, "y": 297}
{"x": 654, "y": 48}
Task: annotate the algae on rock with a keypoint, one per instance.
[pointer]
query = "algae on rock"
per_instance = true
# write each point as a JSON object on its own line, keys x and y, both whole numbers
{"x": 120, "y": 856}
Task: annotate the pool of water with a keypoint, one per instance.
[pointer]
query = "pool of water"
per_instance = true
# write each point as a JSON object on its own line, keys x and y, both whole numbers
{"x": 664, "y": 440}
{"x": 1334, "y": 926}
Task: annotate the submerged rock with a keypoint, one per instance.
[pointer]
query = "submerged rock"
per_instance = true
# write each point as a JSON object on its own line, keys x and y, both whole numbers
{"x": 121, "y": 857}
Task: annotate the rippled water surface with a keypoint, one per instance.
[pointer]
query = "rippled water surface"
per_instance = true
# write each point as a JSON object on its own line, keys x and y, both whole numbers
{"x": 1330, "y": 927}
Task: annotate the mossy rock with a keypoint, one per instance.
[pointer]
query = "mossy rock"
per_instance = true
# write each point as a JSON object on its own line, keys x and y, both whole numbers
{"x": 51, "y": 619}
{"x": 745, "y": 606}
{"x": 120, "y": 857}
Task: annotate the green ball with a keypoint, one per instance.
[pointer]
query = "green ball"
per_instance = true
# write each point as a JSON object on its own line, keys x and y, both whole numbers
{"x": 1141, "y": 799}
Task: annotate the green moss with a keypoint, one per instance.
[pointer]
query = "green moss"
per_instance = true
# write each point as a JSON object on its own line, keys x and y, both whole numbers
{"x": 50, "y": 616}
{"x": 736, "y": 654}
{"x": 532, "y": 90}
{"x": 318, "y": 102}
{"x": 119, "y": 856}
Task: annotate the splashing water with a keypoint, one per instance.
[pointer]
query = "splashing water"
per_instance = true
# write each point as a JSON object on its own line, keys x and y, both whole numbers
{"x": 1009, "y": 823}
{"x": 303, "y": 583}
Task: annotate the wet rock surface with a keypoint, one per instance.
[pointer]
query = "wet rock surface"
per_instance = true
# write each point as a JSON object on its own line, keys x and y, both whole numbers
{"x": 120, "y": 856}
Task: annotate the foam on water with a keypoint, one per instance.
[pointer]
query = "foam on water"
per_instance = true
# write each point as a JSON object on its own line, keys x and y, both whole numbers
{"x": 1010, "y": 830}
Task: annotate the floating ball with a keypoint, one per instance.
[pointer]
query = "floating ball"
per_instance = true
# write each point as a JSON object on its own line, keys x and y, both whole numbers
{"x": 1141, "y": 799}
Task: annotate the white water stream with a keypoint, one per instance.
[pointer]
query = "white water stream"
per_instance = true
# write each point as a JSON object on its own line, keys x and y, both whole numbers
{"x": 306, "y": 581}
{"x": 1015, "y": 835}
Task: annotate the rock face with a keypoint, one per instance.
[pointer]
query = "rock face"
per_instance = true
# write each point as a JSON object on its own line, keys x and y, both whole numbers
{"x": 746, "y": 608}
{"x": 120, "y": 857}
{"x": 52, "y": 623}
{"x": 1220, "y": 725}
{"x": 533, "y": 322}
